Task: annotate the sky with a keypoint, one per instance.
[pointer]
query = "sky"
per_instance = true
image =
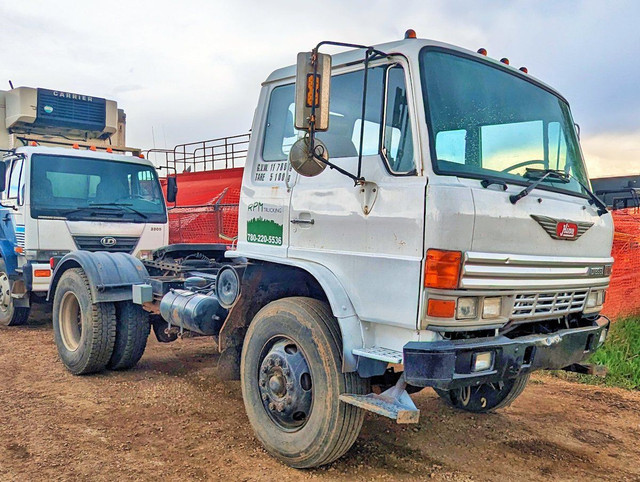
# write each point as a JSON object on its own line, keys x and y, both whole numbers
{"x": 191, "y": 70}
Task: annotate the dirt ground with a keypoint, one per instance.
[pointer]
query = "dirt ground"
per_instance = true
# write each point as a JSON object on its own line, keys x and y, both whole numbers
{"x": 170, "y": 418}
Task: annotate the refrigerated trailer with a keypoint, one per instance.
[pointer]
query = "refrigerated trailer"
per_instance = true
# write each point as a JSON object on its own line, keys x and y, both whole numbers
{"x": 411, "y": 215}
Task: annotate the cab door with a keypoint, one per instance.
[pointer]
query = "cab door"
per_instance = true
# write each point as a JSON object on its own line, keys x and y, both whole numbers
{"x": 12, "y": 216}
{"x": 371, "y": 235}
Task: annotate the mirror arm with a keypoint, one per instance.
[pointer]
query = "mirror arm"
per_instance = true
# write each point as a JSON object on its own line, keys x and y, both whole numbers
{"x": 357, "y": 180}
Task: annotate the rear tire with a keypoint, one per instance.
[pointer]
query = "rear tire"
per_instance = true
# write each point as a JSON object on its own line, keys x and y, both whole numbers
{"x": 84, "y": 332}
{"x": 487, "y": 397}
{"x": 10, "y": 315}
{"x": 291, "y": 372}
{"x": 132, "y": 332}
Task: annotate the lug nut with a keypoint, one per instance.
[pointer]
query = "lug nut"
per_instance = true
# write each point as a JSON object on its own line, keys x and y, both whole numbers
{"x": 280, "y": 407}
{"x": 264, "y": 397}
{"x": 278, "y": 362}
{"x": 270, "y": 362}
{"x": 289, "y": 385}
{"x": 263, "y": 382}
{"x": 265, "y": 369}
{"x": 287, "y": 372}
{"x": 272, "y": 406}
{"x": 288, "y": 400}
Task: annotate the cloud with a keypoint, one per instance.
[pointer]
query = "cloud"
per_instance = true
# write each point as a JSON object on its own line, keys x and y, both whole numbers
{"x": 612, "y": 154}
{"x": 193, "y": 69}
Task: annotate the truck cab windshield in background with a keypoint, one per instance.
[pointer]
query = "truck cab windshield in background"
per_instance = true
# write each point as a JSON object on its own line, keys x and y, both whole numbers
{"x": 489, "y": 123}
{"x": 94, "y": 188}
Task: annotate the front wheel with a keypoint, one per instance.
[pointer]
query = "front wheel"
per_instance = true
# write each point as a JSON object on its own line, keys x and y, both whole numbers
{"x": 10, "y": 315}
{"x": 84, "y": 332}
{"x": 486, "y": 397}
{"x": 291, "y": 372}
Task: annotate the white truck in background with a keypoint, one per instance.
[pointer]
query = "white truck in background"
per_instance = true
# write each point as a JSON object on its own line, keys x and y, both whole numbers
{"x": 430, "y": 224}
{"x": 68, "y": 182}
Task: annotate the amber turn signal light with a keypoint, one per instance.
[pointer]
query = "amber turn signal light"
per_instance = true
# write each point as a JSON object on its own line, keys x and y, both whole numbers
{"x": 442, "y": 269}
{"x": 41, "y": 273}
{"x": 441, "y": 308}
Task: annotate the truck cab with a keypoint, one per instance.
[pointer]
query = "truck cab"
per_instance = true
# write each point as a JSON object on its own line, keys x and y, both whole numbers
{"x": 59, "y": 198}
{"x": 412, "y": 214}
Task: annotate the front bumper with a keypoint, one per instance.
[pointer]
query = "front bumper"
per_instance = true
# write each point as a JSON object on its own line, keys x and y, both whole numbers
{"x": 448, "y": 364}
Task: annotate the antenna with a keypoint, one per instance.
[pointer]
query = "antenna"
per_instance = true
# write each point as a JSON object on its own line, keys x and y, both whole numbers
{"x": 11, "y": 85}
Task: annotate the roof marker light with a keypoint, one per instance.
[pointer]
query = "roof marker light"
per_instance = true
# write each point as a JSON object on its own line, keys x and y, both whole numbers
{"x": 410, "y": 33}
{"x": 524, "y": 69}
{"x": 76, "y": 146}
{"x": 33, "y": 143}
{"x": 504, "y": 60}
{"x": 141, "y": 156}
{"x": 109, "y": 150}
{"x": 92, "y": 148}
{"x": 482, "y": 51}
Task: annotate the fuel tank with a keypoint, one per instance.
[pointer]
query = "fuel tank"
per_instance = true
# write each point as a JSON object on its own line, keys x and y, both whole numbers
{"x": 197, "y": 312}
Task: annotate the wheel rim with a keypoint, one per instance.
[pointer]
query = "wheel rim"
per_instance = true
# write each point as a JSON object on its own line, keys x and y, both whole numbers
{"x": 285, "y": 384}
{"x": 70, "y": 317}
{"x": 5, "y": 296}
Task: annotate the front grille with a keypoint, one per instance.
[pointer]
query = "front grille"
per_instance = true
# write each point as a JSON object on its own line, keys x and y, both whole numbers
{"x": 548, "y": 305}
{"x": 123, "y": 244}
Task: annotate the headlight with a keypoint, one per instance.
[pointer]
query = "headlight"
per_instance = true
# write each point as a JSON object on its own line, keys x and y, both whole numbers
{"x": 491, "y": 308}
{"x": 482, "y": 361}
{"x": 595, "y": 298}
{"x": 467, "y": 308}
{"x": 145, "y": 254}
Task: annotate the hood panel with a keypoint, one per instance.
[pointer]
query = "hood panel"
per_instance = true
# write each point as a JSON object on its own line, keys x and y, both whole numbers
{"x": 502, "y": 227}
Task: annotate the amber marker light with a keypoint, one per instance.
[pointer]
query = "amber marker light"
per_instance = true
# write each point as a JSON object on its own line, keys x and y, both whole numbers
{"x": 524, "y": 69}
{"x": 482, "y": 51}
{"x": 33, "y": 143}
{"x": 410, "y": 33}
{"x": 92, "y": 148}
{"x": 441, "y": 308}
{"x": 109, "y": 150}
{"x": 76, "y": 146}
{"x": 442, "y": 269}
{"x": 41, "y": 273}
{"x": 504, "y": 60}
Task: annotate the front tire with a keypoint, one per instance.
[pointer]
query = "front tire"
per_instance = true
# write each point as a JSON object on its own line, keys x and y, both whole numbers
{"x": 487, "y": 397}
{"x": 10, "y": 315}
{"x": 84, "y": 332}
{"x": 291, "y": 377}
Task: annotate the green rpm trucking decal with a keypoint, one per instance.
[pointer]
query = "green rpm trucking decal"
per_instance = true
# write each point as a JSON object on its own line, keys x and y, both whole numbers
{"x": 264, "y": 223}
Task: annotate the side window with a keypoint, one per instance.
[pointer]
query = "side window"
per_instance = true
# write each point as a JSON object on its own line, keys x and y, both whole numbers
{"x": 345, "y": 117}
{"x": 15, "y": 179}
{"x": 398, "y": 142}
{"x": 279, "y": 133}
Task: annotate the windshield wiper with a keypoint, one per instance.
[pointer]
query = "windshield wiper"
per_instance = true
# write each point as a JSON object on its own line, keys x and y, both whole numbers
{"x": 91, "y": 208}
{"x": 562, "y": 177}
{"x": 545, "y": 173}
{"x": 124, "y": 206}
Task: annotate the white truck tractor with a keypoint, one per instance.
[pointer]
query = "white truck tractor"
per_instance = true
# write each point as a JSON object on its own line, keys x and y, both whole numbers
{"x": 67, "y": 186}
{"x": 412, "y": 215}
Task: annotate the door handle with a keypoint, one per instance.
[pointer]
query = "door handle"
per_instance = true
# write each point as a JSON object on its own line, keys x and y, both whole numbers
{"x": 303, "y": 221}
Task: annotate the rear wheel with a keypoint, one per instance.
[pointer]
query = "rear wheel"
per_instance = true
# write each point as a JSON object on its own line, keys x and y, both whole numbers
{"x": 486, "y": 397}
{"x": 132, "y": 332}
{"x": 291, "y": 372}
{"x": 10, "y": 315}
{"x": 84, "y": 332}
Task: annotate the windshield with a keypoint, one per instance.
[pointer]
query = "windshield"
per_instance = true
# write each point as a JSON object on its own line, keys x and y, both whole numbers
{"x": 80, "y": 188}
{"x": 488, "y": 123}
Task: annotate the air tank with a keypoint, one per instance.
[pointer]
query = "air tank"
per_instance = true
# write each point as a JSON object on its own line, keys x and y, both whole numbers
{"x": 197, "y": 312}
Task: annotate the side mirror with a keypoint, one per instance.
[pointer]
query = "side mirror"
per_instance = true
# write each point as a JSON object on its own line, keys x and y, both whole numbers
{"x": 303, "y": 162}
{"x": 172, "y": 189}
{"x": 312, "y": 90}
{"x": 3, "y": 175}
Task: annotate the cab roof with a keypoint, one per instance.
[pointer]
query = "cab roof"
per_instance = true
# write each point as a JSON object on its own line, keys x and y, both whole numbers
{"x": 65, "y": 151}
{"x": 410, "y": 48}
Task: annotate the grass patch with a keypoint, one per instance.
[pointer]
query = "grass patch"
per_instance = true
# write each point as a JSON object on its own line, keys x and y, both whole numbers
{"x": 620, "y": 354}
